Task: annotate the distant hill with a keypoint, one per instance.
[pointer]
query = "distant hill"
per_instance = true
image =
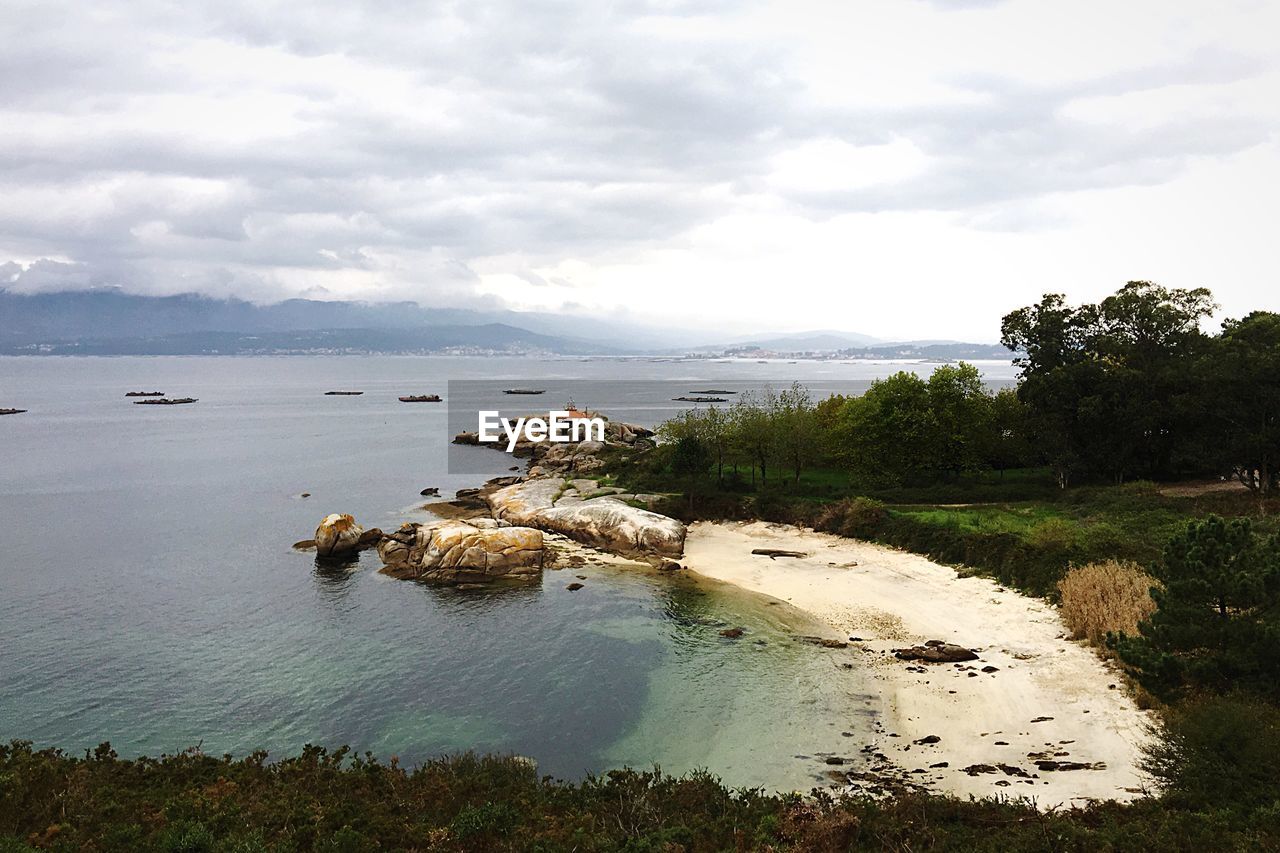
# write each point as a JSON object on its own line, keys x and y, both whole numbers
{"x": 111, "y": 321}
{"x": 493, "y": 338}
{"x": 108, "y": 321}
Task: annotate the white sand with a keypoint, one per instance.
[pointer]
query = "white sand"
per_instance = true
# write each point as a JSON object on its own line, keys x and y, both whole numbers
{"x": 892, "y": 599}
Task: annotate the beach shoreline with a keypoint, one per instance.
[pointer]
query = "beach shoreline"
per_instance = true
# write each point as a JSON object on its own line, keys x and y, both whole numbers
{"x": 1051, "y": 722}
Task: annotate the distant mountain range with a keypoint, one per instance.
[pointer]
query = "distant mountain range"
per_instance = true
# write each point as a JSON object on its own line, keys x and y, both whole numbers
{"x": 108, "y": 321}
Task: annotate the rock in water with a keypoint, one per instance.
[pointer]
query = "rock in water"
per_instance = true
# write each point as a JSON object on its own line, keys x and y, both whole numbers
{"x": 338, "y": 534}
{"x": 462, "y": 552}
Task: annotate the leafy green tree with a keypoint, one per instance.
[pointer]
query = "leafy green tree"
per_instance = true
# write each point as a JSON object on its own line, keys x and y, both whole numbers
{"x": 1150, "y": 337}
{"x": 711, "y": 426}
{"x": 885, "y": 436}
{"x": 1110, "y": 388}
{"x": 690, "y": 457}
{"x": 716, "y": 433}
{"x": 961, "y": 416}
{"x": 1216, "y": 623}
{"x": 1049, "y": 344}
{"x": 1243, "y": 377}
{"x": 1006, "y": 442}
{"x": 796, "y": 427}
{"x": 753, "y": 432}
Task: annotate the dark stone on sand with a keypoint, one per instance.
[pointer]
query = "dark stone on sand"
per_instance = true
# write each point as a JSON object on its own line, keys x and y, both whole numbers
{"x": 936, "y": 651}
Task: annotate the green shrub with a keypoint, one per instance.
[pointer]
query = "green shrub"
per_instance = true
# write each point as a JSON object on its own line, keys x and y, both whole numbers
{"x": 487, "y": 819}
{"x": 188, "y": 837}
{"x": 857, "y": 517}
{"x": 8, "y": 844}
{"x": 1220, "y": 752}
{"x": 1217, "y": 619}
{"x": 1052, "y": 534}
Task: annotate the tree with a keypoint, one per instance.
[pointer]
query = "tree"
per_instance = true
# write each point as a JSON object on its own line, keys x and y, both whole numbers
{"x": 753, "y": 432}
{"x": 690, "y": 457}
{"x": 885, "y": 435}
{"x": 711, "y": 427}
{"x": 795, "y": 426}
{"x": 1110, "y": 387}
{"x": 717, "y": 434}
{"x": 961, "y": 410}
{"x": 1216, "y": 623}
{"x": 1243, "y": 374}
{"x": 1006, "y": 443}
{"x": 1049, "y": 344}
{"x": 1149, "y": 337}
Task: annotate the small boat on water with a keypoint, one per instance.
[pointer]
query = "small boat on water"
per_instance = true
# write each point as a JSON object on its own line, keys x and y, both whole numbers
{"x": 343, "y": 393}
{"x": 524, "y": 391}
{"x": 421, "y": 398}
{"x": 164, "y": 401}
{"x": 11, "y": 411}
{"x": 144, "y": 394}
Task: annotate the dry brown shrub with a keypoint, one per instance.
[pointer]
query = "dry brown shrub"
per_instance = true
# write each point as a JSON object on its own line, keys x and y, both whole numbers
{"x": 1114, "y": 595}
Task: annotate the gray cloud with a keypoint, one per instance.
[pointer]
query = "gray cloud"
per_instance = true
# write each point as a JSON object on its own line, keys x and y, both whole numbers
{"x": 405, "y": 141}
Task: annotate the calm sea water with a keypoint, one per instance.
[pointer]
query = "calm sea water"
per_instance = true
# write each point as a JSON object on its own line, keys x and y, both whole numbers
{"x": 149, "y": 596}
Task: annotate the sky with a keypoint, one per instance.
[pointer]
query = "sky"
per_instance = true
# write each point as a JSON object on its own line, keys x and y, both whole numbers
{"x": 904, "y": 168}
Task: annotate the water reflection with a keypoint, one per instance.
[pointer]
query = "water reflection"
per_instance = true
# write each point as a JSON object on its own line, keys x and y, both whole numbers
{"x": 464, "y": 596}
{"x": 335, "y": 576}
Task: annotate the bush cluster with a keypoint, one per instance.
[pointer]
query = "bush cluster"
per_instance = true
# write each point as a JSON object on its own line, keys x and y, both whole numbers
{"x": 332, "y": 801}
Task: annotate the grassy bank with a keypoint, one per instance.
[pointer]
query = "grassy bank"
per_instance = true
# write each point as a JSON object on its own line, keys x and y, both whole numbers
{"x": 337, "y": 802}
{"x": 1017, "y": 527}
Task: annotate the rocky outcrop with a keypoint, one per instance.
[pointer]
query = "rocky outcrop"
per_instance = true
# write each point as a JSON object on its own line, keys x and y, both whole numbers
{"x": 338, "y": 535}
{"x": 566, "y": 507}
{"x": 474, "y": 551}
{"x": 557, "y": 498}
{"x": 580, "y": 457}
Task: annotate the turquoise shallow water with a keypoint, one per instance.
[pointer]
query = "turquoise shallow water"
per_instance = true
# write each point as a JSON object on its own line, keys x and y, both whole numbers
{"x": 148, "y": 594}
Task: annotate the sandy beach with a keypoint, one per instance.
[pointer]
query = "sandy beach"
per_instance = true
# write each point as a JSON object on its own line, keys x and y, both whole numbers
{"x": 1048, "y": 699}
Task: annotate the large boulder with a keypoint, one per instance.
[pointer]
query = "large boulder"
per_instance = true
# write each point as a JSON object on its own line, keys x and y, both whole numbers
{"x": 462, "y": 552}
{"x": 936, "y": 651}
{"x": 554, "y": 505}
{"x": 338, "y": 535}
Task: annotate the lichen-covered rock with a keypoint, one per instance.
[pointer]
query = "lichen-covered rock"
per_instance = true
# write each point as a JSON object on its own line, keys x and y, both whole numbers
{"x": 462, "y": 552}
{"x": 603, "y": 522}
{"x": 337, "y": 535}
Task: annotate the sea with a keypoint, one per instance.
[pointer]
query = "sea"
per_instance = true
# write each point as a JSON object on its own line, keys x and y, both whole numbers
{"x": 150, "y": 596}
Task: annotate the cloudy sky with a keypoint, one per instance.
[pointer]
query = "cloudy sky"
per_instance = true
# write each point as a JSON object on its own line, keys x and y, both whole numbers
{"x": 903, "y": 168}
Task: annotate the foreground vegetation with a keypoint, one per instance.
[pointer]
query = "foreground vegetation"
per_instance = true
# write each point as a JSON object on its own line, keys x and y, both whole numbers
{"x": 1223, "y": 795}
